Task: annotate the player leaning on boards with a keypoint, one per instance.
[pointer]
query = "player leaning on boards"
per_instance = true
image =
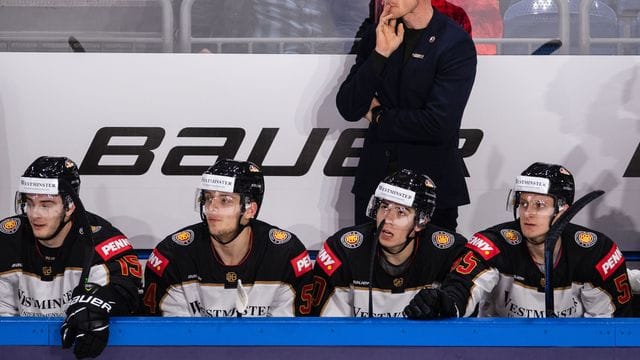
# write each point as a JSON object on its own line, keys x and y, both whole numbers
{"x": 390, "y": 258}
{"x": 44, "y": 249}
{"x": 503, "y": 271}
{"x": 230, "y": 263}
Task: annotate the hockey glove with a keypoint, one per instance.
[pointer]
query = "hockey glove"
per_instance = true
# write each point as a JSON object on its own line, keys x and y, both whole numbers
{"x": 431, "y": 304}
{"x": 87, "y": 322}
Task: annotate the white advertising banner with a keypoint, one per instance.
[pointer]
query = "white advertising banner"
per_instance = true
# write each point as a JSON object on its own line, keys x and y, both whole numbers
{"x": 143, "y": 128}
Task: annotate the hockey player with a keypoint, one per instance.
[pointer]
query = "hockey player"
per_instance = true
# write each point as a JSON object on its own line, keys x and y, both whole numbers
{"x": 408, "y": 252}
{"x": 230, "y": 263}
{"x": 44, "y": 249}
{"x": 503, "y": 271}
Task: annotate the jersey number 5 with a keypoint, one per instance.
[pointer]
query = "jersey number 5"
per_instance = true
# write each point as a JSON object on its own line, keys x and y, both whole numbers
{"x": 467, "y": 264}
{"x": 622, "y": 285}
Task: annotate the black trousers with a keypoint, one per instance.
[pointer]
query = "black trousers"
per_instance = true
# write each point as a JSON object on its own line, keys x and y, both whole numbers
{"x": 444, "y": 218}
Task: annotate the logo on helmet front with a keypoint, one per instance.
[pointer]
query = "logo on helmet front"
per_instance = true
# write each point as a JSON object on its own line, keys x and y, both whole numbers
{"x": 511, "y": 236}
{"x": 442, "y": 239}
{"x": 585, "y": 239}
{"x": 253, "y": 168}
{"x": 429, "y": 183}
{"x": 10, "y": 226}
{"x": 183, "y": 237}
{"x": 352, "y": 239}
{"x": 69, "y": 164}
{"x": 564, "y": 171}
{"x": 279, "y": 236}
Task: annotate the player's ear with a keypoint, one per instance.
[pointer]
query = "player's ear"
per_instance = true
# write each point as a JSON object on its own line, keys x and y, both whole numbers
{"x": 70, "y": 208}
{"x": 251, "y": 210}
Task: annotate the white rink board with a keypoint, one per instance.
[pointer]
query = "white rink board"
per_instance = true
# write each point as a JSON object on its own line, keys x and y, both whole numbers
{"x": 582, "y": 112}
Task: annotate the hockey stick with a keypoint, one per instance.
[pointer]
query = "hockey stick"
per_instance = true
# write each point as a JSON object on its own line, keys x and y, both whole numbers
{"x": 548, "y": 48}
{"x": 242, "y": 299}
{"x": 374, "y": 248}
{"x": 83, "y": 220}
{"x": 550, "y": 242}
{"x": 75, "y": 45}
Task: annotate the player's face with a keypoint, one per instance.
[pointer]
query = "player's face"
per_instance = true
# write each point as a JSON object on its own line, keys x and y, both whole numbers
{"x": 398, "y": 225}
{"x": 400, "y": 8}
{"x": 45, "y": 213}
{"x": 222, "y": 211}
{"x": 536, "y": 211}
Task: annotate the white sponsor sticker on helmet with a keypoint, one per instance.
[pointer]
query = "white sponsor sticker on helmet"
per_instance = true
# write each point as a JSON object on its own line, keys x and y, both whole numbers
{"x": 217, "y": 183}
{"x": 532, "y": 184}
{"x": 396, "y": 194}
{"x": 29, "y": 185}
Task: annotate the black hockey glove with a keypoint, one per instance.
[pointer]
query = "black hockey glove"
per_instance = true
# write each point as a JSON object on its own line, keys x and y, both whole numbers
{"x": 87, "y": 322}
{"x": 431, "y": 304}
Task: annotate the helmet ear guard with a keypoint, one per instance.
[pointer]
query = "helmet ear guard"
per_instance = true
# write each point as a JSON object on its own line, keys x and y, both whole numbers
{"x": 47, "y": 167}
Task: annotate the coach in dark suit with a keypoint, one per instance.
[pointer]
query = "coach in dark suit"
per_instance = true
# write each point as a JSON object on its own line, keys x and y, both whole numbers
{"x": 412, "y": 78}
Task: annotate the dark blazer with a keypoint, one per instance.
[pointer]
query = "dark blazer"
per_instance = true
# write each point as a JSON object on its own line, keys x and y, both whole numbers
{"x": 423, "y": 99}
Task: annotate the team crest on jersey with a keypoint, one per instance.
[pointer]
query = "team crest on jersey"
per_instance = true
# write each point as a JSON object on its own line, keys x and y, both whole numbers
{"x": 442, "y": 239}
{"x": 352, "y": 239}
{"x": 10, "y": 226}
{"x": 231, "y": 277}
{"x": 513, "y": 237}
{"x": 586, "y": 239}
{"x": 183, "y": 237}
{"x": 94, "y": 229}
{"x": 278, "y": 236}
{"x": 398, "y": 282}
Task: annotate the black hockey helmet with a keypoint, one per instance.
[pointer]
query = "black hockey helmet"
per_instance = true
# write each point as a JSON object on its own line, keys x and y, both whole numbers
{"x": 241, "y": 177}
{"x": 409, "y": 188}
{"x": 547, "y": 179}
{"x": 48, "y": 167}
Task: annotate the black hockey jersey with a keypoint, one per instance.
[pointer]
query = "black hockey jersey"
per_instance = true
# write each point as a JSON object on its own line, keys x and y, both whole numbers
{"x": 38, "y": 281}
{"x": 184, "y": 277}
{"x": 498, "y": 274}
{"x": 341, "y": 283}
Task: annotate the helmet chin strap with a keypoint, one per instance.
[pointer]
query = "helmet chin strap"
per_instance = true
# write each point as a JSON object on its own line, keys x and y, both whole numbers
{"x": 406, "y": 243}
{"x": 239, "y": 227}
